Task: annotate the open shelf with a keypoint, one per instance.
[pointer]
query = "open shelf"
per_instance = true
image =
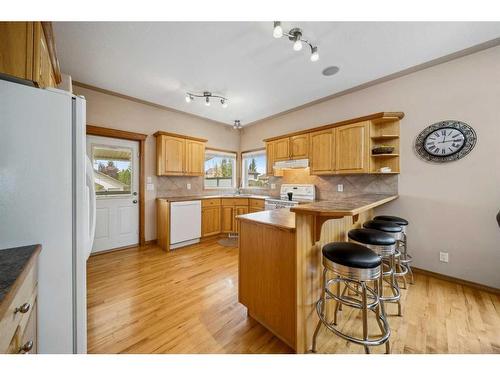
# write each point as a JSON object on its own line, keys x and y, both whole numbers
{"x": 384, "y": 155}
{"x": 385, "y": 137}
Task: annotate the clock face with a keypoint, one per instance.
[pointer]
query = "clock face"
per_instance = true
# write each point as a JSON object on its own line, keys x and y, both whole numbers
{"x": 445, "y": 141}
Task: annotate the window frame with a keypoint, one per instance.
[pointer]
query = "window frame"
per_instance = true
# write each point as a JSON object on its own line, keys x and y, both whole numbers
{"x": 260, "y": 151}
{"x": 231, "y": 155}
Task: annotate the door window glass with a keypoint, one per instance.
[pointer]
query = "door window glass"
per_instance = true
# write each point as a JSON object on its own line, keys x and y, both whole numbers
{"x": 112, "y": 170}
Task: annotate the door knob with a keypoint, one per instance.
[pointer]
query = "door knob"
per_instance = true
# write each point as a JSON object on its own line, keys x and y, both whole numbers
{"x": 134, "y": 201}
{"x": 134, "y": 193}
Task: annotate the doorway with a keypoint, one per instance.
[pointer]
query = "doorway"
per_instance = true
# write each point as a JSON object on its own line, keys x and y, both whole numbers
{"x": 117, "y": 158}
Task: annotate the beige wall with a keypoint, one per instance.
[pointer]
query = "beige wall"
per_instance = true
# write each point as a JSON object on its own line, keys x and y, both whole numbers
{"x": 114, "y": 112}
{"x": 451, "y": 207}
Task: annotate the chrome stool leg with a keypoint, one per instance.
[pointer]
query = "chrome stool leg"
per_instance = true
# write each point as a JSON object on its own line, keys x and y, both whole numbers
{"x": 323, "y": 309}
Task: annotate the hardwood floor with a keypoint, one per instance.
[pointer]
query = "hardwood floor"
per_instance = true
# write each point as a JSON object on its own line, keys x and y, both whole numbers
{"x": 144, "y": 300}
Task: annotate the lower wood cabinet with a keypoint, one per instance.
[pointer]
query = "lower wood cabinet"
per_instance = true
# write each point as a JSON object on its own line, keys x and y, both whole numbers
{"x": 210, "y": 221}
{"x": 238, "y": 210}
{"x": 227, "y": 219}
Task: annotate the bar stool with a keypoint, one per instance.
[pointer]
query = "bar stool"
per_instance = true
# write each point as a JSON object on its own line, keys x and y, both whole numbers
{"x": 352, "y": 263}
{"x": 406, "y": 258}
{"x": 396, "y": 232}
{"x": 385, "y": 246}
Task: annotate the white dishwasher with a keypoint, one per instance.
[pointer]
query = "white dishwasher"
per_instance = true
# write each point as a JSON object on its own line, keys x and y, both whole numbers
{"x": 185, "y": 223}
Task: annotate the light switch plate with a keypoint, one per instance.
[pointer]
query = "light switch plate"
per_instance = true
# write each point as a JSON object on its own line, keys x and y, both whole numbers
{"x": 148, "y": 180}
{"x": 443, "y": 257}
{"x": 150, "y": 187}
{"x": 340, "y": 188}
{"x": 273, "y": 186}
{"x": 188, "y": 186}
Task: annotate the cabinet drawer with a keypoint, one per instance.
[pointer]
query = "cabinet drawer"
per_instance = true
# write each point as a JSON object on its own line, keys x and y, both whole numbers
{"x": 11, "y": 319}
{"x": 256, "y": 203}
{"x": 210, "y": 202}
{"x": 234, "y": 201}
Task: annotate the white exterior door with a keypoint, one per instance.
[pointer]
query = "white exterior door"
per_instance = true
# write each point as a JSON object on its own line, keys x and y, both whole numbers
{"x": 116, "y": 174}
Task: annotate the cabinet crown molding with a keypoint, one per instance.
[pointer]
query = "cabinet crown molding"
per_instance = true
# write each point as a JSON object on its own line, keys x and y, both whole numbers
{"x": 179, "y": 136}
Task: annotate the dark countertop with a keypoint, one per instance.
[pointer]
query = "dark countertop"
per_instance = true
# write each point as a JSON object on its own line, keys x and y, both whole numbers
{"x": 200, "y": 197}
{"x": 348, "y": 206}
{"x": 281, "y": 218}
{"x": 12, "y": 264}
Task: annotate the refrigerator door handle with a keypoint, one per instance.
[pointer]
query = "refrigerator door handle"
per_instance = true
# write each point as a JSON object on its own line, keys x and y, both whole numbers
{"x": 92, "y": 204}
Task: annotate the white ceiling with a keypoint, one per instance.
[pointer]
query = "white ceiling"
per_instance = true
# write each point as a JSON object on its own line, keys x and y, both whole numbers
{"x": 261, "y": 76}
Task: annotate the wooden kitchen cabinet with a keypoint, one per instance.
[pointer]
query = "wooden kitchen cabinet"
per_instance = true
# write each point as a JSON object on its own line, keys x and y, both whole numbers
{"x": 270, "y": 158}
{"x": 178, "y": 155}
{"x": 322, "y": 156}
{"x": 27, "y": 51}
{"x": 238, "y": 210}
{"x": 299, "y": 146}
{"x": 227, "y": 215}
{"x": 282, "y": 149}
{"x": 352, "y": 153}
{"x": 210, "y": 221}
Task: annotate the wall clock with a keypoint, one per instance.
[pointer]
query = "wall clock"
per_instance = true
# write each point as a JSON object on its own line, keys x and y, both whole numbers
{"x": 445, "y": 141}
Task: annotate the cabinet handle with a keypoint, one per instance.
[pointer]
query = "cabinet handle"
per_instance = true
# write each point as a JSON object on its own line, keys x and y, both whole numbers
{"x": 23, "y": 309}
{"x": 26, "y": 348}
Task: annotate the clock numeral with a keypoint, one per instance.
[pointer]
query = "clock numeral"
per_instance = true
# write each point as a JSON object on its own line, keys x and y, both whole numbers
{"x": 436, "y": 134}
{"x": 443, "y": 151}
{"x": 443, "y": 132}
{"x": 449, "y": 148}
{"x": 456, "y": 135}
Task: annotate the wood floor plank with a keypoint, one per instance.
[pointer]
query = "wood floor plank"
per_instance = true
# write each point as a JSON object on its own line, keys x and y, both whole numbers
{"x": 144, "y": 300}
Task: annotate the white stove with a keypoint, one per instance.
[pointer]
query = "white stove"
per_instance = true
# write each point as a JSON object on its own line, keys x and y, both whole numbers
{"x": 299, "y": 193}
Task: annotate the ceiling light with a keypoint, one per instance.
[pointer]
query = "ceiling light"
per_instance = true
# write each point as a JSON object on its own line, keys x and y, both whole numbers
{"x": 314, "y": 54}
{"x": 278, "y": 30}
{"x": 295, "y": 36}
{"x": 330, "y": 71}
{"x": 207, "y": 95}
{"x": 237, "y": 124}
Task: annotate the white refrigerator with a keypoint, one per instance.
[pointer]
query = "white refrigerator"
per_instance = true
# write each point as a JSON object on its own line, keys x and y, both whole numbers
{"x": 47, "y": 197}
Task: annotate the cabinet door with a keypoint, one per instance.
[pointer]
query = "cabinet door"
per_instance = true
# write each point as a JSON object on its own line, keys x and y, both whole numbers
{"x": 239, "y": 210}
{"x": 195, "y": 158}
{"x": 16, "y": 49}
{"x": 299, "y": 146}
{"x": 351, "y": 148}
{"x": 227, "y": 219}
{"x": 269, "y": 158}
{"x": 42, "y": 67}
{"x": 210, "y": 221}
{"x": 321, "y": 157}
{"x": 281, "y": 149}
{"x": 170, "y": 153}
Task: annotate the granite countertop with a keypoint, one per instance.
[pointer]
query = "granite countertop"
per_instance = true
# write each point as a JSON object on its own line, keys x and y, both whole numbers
{"x": 348, "y": 206}
{"x": 200, "y": 197}
{"x": 13, "y": 262}
{"x": 281, "y": 218}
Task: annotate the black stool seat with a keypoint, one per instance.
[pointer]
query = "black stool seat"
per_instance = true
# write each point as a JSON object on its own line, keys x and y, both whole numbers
{"x": 371, "y": 237}
{"x": 351, "y": 255}
{"x": 384, "y": 226}
{"x": 394, "y": 219}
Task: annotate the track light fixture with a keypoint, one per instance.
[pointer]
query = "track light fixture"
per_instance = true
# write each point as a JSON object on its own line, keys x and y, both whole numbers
{"x": 295, "y": 36}
{"x": 237, "y": 125}
{"x": 207, "y": 95}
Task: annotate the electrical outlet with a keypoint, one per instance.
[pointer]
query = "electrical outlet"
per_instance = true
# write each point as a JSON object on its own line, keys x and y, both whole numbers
{"x": 443, "y": 257}
{"x": 188, "y": 186}
{"x": 148, "y": 180}
{"x": 273, "y": 186}
{"x": 340, "y": 188}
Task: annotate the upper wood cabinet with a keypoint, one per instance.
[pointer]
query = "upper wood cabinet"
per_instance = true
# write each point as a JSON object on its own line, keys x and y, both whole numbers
{"x": 27, "y": 51}
{"x": 321, "y": 158}
{"x": 341, "y": 148}
{"x": 178, "y": 155}
{"x": 299, "y": 146}
{"x": 282, "y": 149}
{"x": 352, "y": 154}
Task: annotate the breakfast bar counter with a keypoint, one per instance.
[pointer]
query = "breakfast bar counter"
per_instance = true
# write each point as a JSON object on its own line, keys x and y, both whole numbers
{"x": 280, "y": 261}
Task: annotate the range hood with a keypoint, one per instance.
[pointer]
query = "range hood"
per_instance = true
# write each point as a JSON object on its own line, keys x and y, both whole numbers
{"x": 292, "y": 164}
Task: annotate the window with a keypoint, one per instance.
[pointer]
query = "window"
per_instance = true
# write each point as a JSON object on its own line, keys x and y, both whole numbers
{"x": 220, "y": 170}
{"x": 112, "y": 170}
{"x": 254, "y": 169}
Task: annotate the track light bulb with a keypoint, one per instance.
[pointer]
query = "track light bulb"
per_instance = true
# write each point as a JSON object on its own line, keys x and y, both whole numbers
{"x": 224, "y": 103}
{"x": 188, "y": 98}
{"x": 207, "y": 101}
{"x": 314, "y": 54}
{"x": 297, "y": 45}
{"x": 278, "y": 30}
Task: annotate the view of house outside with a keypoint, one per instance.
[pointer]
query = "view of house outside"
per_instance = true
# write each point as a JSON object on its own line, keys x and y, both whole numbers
{"x": 112, "y": 175}
{"x": 254, "y": 170}
{"x": 219, "y": 171}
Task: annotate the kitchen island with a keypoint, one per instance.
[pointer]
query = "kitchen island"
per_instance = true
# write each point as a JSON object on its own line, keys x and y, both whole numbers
{"x": 280, "y": 261}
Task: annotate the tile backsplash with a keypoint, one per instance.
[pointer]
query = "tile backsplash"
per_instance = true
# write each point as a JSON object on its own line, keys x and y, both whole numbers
{"x": 326, "y": 186}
